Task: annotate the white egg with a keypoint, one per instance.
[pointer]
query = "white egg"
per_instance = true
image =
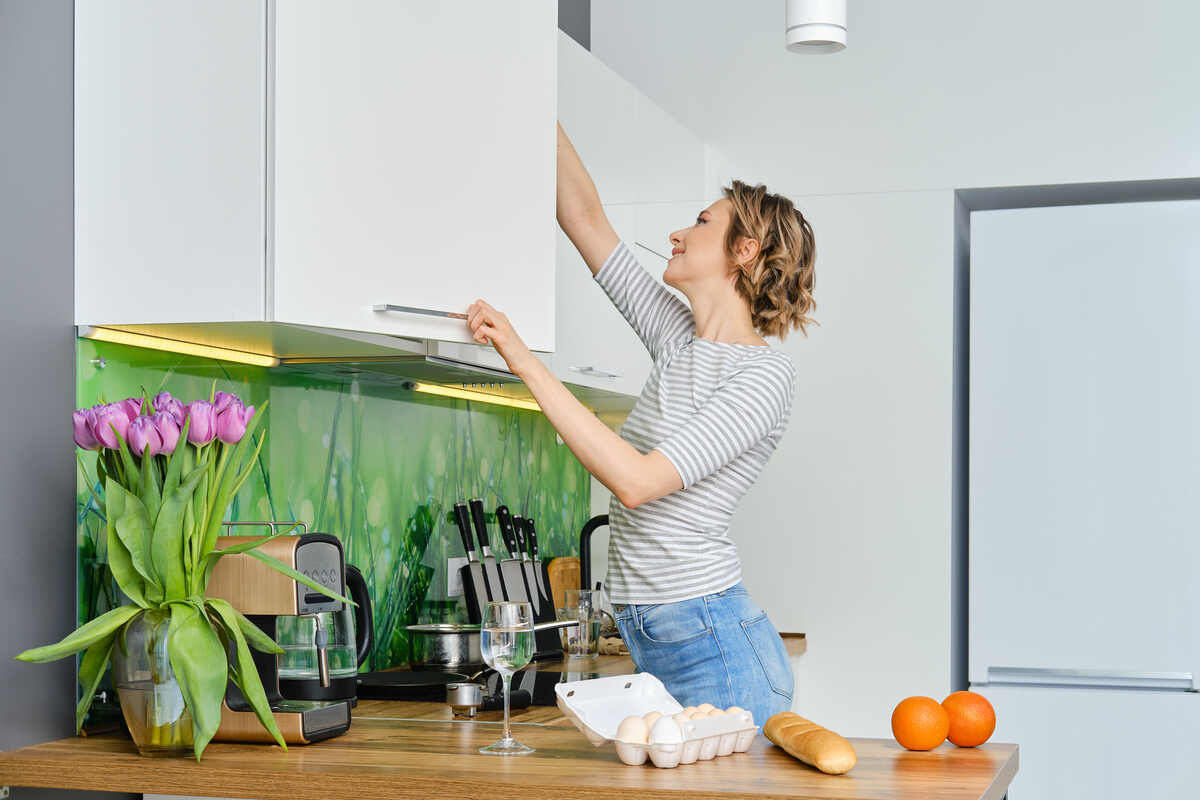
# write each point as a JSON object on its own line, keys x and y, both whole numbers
{"x": 734, "y": 710}
{"x": 689, "y": 709}
{"x": 651, "y": 717}
{"x": 705, "y": 707}
{"x": 632, "y": 729}
{"x": 698, "y": 714}
{"x": 716, "y": 712}
{"x": 666, "y": 731}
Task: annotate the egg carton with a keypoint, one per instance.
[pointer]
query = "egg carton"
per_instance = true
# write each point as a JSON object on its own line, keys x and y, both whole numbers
{"x": 598, "y": 706}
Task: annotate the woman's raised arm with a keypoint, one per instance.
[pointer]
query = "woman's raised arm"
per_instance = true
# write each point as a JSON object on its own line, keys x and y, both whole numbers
{"x": 580, "y": 214}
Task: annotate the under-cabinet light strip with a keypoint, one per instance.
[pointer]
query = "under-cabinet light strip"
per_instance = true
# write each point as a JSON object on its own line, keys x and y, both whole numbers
{"x": 176, "y": 346}
{"x": 482, "y": 397}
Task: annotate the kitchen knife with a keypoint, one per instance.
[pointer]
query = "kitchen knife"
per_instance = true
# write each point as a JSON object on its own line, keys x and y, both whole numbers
{"x": 539, "y": 568}
{"x": 546, "y": 645}
{"x": 474, "y": 584}
{"x": 491, "y": 572}
{"x": 542, "y": 611}
{"x": 512, "y": 571}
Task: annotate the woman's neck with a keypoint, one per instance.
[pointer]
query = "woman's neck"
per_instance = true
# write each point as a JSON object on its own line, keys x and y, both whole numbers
{"x": 722, "y": 315}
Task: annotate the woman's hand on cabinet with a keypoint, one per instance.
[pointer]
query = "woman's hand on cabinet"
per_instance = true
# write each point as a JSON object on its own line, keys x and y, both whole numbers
{"x": 489, "y": 326}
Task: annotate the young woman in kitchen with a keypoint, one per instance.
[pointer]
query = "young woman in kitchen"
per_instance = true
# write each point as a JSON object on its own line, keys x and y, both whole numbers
{"x": 711, "y": 413}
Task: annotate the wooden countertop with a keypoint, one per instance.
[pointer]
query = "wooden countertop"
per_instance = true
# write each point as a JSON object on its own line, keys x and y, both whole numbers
{"x": 415, "y": 750}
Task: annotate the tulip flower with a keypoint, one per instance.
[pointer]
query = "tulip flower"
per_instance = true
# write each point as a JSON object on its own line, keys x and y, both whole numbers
{"x": 163, "y": 401}
{"x": 222, "y": 401}
{"x": 82, "y": 421}
{"x": 105, "y": 418}
{"x": 144, "y": 438}
{"x": 231, "y": 423}
{"x": 167, "y": 428}
{"x": 203, "y": 427}
{"x": 132, "y": 406}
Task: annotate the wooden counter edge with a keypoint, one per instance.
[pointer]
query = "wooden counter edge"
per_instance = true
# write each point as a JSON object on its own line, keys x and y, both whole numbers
{"x": 796, "y": 644}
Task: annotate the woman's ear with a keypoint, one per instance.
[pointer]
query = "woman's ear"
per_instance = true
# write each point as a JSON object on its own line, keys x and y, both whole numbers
{"x": 746, "y": 250}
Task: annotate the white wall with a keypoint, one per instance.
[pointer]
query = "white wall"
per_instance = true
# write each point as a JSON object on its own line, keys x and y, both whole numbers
{"x": 846, "y": 536}
{"x": 929, "y": 94}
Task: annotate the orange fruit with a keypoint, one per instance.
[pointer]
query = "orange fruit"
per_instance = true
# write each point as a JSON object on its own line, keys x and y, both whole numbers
{"x": 972, "y": 718}
{"x": 920, "y": 723}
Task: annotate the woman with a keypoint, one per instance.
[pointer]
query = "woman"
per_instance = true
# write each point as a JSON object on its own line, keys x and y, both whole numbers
{"x": 711, "y": 413}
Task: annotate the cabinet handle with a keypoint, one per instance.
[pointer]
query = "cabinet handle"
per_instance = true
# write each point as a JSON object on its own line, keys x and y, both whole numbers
{"x": 597, "y": 373}
{"x": 429, "y": 312}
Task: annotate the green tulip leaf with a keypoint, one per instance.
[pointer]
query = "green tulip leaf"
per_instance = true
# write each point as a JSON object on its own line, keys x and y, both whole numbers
{"x": 279, "y": 566}
{"x": 202, "y": 669}
{"x": 120, "y": 560}
{"x": 255, "y": 636}
{"x": 246, "y": 675}
{"x": 132, "y": 475}
{"x": 82, "y": 637}
{"x": 91, "y": 671}
{"x": 134, "y": 531}
{"x": 175, "y": 462}
{"x": 151, "y": 493}
{"x": 167, "y": 546}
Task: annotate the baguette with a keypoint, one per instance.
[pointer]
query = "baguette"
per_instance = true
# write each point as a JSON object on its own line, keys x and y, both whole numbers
{"x": 809, "y": 742}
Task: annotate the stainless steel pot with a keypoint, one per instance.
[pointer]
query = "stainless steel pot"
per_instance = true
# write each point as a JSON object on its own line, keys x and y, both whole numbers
{"x": 454, "y": 647}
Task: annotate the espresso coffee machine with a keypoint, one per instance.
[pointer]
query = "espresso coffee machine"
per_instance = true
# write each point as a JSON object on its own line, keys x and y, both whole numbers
{"x": 263, "y": 595}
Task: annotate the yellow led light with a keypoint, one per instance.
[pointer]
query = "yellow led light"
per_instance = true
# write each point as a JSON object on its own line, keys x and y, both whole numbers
{"x": 481, "y": 397}
{"x": 176, "y": 346}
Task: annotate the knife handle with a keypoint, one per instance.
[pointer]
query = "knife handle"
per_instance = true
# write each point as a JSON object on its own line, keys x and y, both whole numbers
{"x": 462, "y": 516}
{"x": 476, "y": 506}
{"x": 531, "y": 535}
{"x": 519, "y": 533}
{"x": 504, "y": 520}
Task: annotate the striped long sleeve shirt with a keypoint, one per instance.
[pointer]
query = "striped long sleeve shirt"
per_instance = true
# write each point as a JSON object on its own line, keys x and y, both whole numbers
{"x": 716, "y": 411}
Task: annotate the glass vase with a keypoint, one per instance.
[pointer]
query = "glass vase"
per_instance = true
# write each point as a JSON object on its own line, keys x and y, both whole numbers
{"x": 150, "y": 697}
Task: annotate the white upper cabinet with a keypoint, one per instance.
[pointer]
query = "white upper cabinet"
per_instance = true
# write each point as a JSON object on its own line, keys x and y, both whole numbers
{"x": 301, "y": 162}
{"x": 169, "y": 188}
{"x": 414, "y": 163}
{"x": 650, "y": 172}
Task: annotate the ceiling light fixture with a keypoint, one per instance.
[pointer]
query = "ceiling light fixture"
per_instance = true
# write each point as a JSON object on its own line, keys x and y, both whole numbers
{"x": 816, "y": 26}
{"x": 175, "y": 346}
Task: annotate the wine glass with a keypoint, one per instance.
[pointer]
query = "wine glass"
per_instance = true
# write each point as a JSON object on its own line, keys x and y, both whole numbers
{"x": 506, "y": 641}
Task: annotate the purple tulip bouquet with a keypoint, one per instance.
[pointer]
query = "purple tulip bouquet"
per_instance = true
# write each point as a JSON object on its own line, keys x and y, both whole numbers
{"x": 169, "y": 471}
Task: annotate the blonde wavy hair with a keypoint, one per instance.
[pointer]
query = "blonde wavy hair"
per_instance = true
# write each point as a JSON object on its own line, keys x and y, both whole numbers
{"x": 778, "y": 282}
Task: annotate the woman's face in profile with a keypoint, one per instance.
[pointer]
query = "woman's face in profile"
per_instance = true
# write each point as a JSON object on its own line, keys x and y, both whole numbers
{"x": 698, "y": 254}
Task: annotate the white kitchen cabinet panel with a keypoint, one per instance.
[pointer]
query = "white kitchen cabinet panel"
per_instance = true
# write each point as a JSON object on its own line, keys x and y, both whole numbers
{"x": 415, "y": 163}
{"x": 598, "y": 110}
{"x": 596, "y": 345}
{"x": 670, "y": 161}
{"x": 169, "y": 180}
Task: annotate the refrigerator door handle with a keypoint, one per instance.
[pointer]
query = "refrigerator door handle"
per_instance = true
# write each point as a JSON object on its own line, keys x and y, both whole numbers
{"x": 1093, "y": 678}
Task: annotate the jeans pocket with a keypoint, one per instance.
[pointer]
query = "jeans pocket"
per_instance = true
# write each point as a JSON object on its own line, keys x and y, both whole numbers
{"x": 772, "y": 656}
{"x": 674, "y": 623}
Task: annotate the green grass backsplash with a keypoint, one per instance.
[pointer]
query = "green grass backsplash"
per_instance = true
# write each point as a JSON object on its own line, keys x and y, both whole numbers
{"x": 377, "y": 468}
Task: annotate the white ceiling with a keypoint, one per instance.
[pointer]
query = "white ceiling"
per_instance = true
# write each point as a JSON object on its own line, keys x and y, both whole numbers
{"x": 929, "y": 94}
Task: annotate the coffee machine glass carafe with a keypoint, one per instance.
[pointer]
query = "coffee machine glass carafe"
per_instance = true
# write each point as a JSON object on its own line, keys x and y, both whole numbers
{"x": 349, "y": 636}
{"x": 296, "y": 635}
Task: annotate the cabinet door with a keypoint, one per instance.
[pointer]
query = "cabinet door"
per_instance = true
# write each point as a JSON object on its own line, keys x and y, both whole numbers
{"x": 596, "y": 346}
{"x": 415, "y": 163}
{"x": 169, "y": 127}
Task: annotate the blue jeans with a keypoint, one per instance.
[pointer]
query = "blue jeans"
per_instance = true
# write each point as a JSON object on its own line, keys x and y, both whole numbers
{"x": 720, "y": 649}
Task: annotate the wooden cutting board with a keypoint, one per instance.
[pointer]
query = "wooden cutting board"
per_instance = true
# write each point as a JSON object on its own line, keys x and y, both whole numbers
{"x": 565, "y": 573}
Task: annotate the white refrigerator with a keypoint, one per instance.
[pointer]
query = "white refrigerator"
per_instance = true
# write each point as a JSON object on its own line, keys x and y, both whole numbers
{"x": 1084, "y": 495}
